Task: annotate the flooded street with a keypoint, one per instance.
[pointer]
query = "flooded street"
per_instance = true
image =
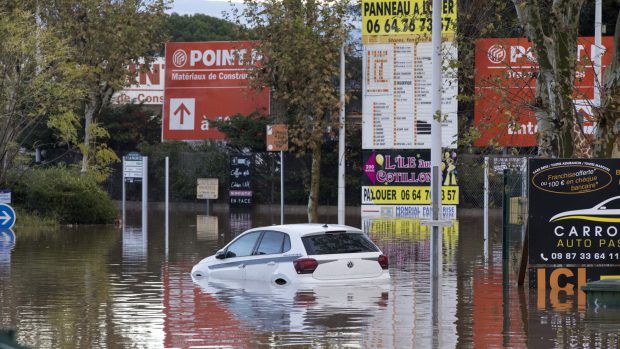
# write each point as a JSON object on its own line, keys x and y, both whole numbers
{"x": 109, "y": 287}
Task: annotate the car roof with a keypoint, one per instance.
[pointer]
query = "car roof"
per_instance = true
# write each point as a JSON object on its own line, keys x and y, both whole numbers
{"x": 302, "y": 229}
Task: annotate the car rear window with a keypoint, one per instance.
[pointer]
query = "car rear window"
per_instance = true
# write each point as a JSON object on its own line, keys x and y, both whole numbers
{"x": 332, "y": 243}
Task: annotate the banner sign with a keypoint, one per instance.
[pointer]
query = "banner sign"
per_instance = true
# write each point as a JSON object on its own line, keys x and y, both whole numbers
{"x": 240, "y": 192}
{"x": 396, "y": 103}
{"x": 574, "y": 211}
{"x": 403, "y": 177}
{"x": 404, "y": 20}
{"x": 505, "y": 85}
{"x": 207, "y": 81}
{"x": 406, "y": 211}
{"x": 147, "y": 84}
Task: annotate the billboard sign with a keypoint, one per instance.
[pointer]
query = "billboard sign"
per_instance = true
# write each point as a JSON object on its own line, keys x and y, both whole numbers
{"x": 208, "y": 81}
{"x": 404, "y": 20}
{"x": 396, "y": 104}
{"x": 574, "y": 211}
{"x": 403, "y": 177}
{"x": 505, "y": 85}
{"x": 147, "y": 83}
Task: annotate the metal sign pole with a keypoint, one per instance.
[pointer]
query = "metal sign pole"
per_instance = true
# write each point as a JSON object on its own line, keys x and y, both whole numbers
{"x": 145, "y": 199}
{"x": 341, "y": 135}
{"x": 436, "y": 137}
{"x": 281, "y": 187}
{"x": 167, "y": 204}
{"x": 123, "y": 199}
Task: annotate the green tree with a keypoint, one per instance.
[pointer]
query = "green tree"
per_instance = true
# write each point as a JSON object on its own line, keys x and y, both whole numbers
{"x": 553, "y": 29}
{"x": 199, "y": 27}
{"x": 38, "y": 84}
{"x": 244, "y": 131}
{"x": 107, "y": 35}
{"x": 608, "y": 135}
{"x": 300, "y": 41}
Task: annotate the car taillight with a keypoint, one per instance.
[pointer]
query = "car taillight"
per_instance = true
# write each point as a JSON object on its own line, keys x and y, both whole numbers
{"x": 305, "y": 265}
{"x": 383, "y": 261}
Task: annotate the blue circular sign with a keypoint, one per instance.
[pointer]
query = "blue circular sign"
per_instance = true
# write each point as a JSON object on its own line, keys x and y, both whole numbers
{"x": 7, "y": 217}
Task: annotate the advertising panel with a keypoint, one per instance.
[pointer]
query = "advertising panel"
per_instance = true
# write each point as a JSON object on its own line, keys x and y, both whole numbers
{"x": 240, "y": 192}
{"x": 396, "y": 104}
{"x": 397, "y": 183}
{"x": 147, "y": 84}
{"x": 505, "y": 85}
{"x": 207, "y": 81}
{"x": 404, "y": 20}
{"x": 574, "y": 211}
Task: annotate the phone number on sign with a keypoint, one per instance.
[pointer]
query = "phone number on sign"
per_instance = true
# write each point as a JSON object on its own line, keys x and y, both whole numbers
{"x": 580, "y": 256}
{"x": 406, "y": 25}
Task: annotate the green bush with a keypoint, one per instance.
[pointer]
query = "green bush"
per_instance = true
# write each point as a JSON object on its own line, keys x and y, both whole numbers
{"x": 65, "y": 195}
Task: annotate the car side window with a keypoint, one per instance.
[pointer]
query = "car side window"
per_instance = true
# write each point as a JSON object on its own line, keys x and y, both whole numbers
{"x": 274, "y": 242}
{"x": 243, "y": 246}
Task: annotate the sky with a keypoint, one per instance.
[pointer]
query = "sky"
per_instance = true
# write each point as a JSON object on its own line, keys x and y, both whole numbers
{"x": 208, "y": 7}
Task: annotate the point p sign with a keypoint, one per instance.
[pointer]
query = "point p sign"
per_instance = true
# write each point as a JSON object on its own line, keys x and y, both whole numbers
{"x": 182, "y": 111}
{"x": 7, "y": 217}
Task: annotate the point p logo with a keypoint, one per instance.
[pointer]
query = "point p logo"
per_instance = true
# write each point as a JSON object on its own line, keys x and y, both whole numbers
{"x": 179, "y": 58}
{"x": 496, "y": 54}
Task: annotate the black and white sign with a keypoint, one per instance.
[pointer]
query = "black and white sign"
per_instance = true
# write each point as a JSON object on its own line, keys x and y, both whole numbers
{"x": 240, "y": 181}
{"x": 574, "y": 211}
{"x": 133, "y": 167}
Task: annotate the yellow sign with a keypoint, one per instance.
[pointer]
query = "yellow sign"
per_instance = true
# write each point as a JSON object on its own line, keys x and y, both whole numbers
{"x": 407, "y": 195}
{"x": 385, "y": 21}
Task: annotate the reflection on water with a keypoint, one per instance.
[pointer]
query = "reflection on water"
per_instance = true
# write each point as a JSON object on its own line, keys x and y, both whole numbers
{"x": 109, "y": 287}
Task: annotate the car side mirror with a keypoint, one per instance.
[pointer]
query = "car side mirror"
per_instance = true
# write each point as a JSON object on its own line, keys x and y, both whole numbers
{"x": 603, "y": 208}
{"x": 220, "y": 255}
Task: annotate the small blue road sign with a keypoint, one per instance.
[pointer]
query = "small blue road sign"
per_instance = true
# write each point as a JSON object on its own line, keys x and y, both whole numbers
{"x": 7, "y": 217}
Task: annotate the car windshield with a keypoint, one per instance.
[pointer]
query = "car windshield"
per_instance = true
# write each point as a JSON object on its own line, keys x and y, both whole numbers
{"x": 341, "y": 242}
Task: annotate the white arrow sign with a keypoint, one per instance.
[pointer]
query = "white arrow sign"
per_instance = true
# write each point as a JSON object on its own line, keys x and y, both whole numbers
{"x": 5, "y": 218}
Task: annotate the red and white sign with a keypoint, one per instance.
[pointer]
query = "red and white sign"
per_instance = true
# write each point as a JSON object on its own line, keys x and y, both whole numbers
{"x": 147, "y": 84}
{"x": 208, "y": 81}
{"x": 505, "y": 86}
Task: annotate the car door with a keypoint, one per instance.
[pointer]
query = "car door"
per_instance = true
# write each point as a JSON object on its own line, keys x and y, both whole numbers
{"x": 268, "y": 256}
{"x": 236, "y": 255}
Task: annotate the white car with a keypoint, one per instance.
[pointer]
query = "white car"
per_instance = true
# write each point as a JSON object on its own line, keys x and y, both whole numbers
{"x": 297, "y": 254}
{"x": 602, "y": 212}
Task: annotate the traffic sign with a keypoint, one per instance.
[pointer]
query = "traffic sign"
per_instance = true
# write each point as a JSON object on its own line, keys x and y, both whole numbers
{"x": 7, "y": 217}
{"x": 5, "y": 196}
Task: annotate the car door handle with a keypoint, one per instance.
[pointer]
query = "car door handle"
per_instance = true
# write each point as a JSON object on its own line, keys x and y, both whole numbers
{"x": 272, "y": 263}
{"x": 241, "y": 266}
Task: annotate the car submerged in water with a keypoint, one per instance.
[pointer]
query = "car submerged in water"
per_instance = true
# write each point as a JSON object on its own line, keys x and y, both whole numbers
{"x": 297, "y": 254}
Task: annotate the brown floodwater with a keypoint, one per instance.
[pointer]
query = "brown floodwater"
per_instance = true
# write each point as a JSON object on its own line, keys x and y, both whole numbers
{"x": 125, "y": 287}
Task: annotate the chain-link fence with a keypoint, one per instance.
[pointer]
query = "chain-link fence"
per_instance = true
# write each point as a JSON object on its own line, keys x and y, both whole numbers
{"x": 214, "y": 162}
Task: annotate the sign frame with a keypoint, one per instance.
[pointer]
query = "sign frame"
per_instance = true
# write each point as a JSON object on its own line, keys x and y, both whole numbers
{"x": 7, "y": 217}
{"x": 580, "y": 227}
{"x": 207, "y": 188}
